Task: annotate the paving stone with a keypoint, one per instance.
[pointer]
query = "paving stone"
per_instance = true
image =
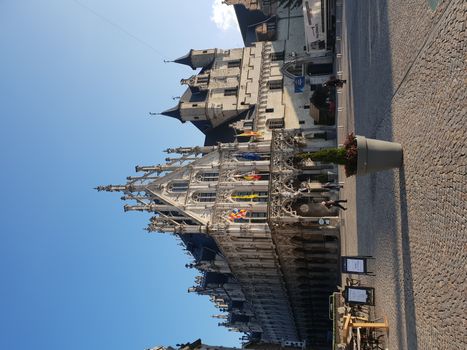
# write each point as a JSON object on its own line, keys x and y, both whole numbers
{"x": 407, "y": 73}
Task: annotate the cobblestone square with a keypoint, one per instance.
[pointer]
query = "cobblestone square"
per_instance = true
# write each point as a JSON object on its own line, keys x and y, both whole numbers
{"x": 406, "y": 69}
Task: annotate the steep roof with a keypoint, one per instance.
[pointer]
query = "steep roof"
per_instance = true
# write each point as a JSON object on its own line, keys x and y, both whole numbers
{"x": 174, "y": 112}
{"x": 186, "y": 60}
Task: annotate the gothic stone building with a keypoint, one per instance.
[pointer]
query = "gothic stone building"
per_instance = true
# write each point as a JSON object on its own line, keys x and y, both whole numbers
{"x": 250, "y": 214}
{"x": 245, "y": 207}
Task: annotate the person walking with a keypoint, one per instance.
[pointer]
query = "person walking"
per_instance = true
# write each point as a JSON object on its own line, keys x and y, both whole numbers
{"x": 329, "y": 204}
{"x": 334, "y": 82}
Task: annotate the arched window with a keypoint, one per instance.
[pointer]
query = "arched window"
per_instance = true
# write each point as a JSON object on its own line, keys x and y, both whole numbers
{"x": 207, "y": 176}
{"x": 250, "y": 196}
{"x": 178, "y": 186}
{"x": 204, "y": 197}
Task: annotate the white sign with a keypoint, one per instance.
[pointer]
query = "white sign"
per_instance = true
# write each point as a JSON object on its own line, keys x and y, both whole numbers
{"x": 357, "y": 295}
{"x": 355, "y": 265}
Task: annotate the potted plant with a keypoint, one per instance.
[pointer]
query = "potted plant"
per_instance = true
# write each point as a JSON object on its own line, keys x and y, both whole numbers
{"x": 360, "y": 155}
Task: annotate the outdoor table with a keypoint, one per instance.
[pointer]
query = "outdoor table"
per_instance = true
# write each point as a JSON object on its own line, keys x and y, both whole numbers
{"x": 382, "y": 325}
{"x": 350, "y": 322}
{"x": 369, "y": 327}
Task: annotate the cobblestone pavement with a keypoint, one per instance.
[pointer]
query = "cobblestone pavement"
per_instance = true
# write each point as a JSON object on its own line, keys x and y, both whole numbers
{"x": 406, "y": 66}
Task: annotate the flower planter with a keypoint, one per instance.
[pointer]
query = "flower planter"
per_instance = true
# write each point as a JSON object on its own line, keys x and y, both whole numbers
{"x": 375, "y": 155}
{"x": 359, "y": 155}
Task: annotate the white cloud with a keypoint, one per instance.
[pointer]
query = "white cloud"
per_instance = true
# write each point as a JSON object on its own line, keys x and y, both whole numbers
{"x": 223, "y": 15}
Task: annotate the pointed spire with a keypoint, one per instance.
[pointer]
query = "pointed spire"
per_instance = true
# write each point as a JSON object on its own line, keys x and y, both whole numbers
{"x": 111, "y": 188}
{"x": 191, "y": 150}
{"x": 219, "y": 316}
{"x": 186, "y": 59}
{"x": 156, "y": 168}
{"x": 174, "y": 112}
{"x": 160, "y": 227}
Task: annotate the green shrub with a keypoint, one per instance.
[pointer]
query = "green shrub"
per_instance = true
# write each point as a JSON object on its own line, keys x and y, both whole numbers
{"x": 327, "y": 155}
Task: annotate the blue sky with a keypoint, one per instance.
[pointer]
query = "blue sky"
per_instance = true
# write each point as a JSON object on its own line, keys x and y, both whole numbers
{"x": 76, "y": 87}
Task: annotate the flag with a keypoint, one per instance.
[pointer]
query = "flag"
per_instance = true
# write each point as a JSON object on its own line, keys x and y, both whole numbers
{"x": 252, "y": 177}
{"x": 250, "y": 156}
{"x": 251, "y": 133}
{"x": 237, "y": 214}
{"x": 247, "y": 196}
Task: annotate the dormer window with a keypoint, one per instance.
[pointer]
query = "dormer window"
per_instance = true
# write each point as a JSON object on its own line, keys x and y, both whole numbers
{"x": 178, "y": 186}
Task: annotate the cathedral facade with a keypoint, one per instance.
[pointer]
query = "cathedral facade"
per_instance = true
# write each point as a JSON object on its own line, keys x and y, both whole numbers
{"x": 244, "y": 205}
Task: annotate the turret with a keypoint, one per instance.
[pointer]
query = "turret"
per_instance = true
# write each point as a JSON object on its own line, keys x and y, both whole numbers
{"x": 197, "y": 58}
{"x": 187, "y": 111}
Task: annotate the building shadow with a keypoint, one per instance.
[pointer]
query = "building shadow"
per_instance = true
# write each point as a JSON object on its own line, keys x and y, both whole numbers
{"x": 380, "y": 215}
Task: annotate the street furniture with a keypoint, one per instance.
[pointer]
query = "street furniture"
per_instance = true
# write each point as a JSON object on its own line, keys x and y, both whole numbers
{"x": 357, "y": 295}
{"x": 356, "y": 265}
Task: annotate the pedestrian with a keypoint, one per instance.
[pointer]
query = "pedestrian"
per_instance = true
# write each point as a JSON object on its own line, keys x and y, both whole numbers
{"x": 330, "y": 204}
{"x": 334, "y": 82}
{"x": 332, "y": 186}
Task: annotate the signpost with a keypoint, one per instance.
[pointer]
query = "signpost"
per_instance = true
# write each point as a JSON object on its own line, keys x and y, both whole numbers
{"x": 355, "y": 265}
{"x": 359, "y": 295}
{"x": 299, "y": 84}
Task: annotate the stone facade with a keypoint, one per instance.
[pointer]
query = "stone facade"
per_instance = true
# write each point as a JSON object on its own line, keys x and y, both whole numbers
{"x": 254, "y": 84}
{"x": 270, "y": 269}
